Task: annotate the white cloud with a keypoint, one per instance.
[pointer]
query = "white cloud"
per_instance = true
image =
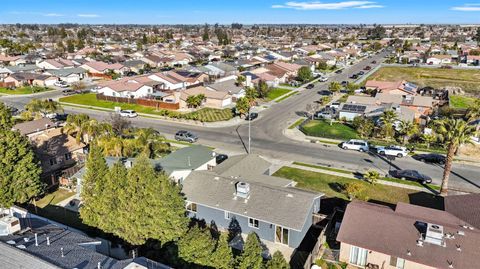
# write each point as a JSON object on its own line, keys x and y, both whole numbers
{"x": 317, "y": 5}
{"x": 88, "y": 15}
{"x": 467, "y": 7}
{"x": 53, "y": 15}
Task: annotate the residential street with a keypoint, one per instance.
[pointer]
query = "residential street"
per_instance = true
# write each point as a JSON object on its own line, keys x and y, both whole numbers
{"x": 268, "y": 139}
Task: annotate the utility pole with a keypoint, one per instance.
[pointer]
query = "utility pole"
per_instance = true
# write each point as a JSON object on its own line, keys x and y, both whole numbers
{"x": 249, "y": 130}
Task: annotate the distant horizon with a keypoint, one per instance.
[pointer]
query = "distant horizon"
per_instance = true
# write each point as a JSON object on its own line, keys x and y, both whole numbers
{"x": 247, "y": 24}
{"x": 248, "y": 12}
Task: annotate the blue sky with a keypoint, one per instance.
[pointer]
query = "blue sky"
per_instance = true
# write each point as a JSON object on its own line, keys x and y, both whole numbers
{"x": 243, "y": 11}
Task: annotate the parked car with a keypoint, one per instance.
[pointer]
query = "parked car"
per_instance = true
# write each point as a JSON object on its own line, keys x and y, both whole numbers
{"x": 339, "y": 71}
{"x": 344, "y": 83}
{"x": 392, "y": 151}
{"x": 61, "y": 117}
{"x": 325, "y": 92}
{"x": 430, "y": 158}
{"x": 411, "y": 175}
{"x": 68, "y": 92}
{"x": 374, "y": 62}
{"x": 186, "y": 136}
{"x": 220, "y": 158}
{"x": 14, "y": 110}
{"x": 335, "y": 105}
{"x": 367, "y": 68}
{"x": 310, "y": 86}
{"x": 323, "y": 79}
{"x": 324, "y": 114}
{"x": 252, "y": 116}
{"x": 128, "y": 113}
{"x": 361, "y": 73}
{"x": 61, "y": 84}
{"x": 354, "y": 76}
{"x": 354, "y": 144}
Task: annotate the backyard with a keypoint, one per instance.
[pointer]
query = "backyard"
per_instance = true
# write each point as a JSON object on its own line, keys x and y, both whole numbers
{"x": 468, "y": 80}
{"x": 24, "y": 90}
{"x": 332, "y": 186}
{"x": 457, "y": 101}
{"x": 320, "y": 128}
{"x": 203, "y": 115}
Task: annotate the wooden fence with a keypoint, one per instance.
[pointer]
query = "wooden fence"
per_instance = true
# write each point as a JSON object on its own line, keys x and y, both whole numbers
{"x": 140, "y": 101}
{"x": 7, "y": 84}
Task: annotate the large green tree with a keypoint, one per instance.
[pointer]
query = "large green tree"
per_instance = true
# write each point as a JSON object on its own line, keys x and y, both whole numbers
{"x": 222, "y": 258}
{"x": 6, "y": 120}
{"x": 388, "y": 118}
{"x": 251, "y": 257}
{"x": 304, "y": 74}
{"x": 453, "y": 133}
{"x": 277, "y": 262}
{"x": 19, "y": 169}
{"x": 243, "y": 105}
{"x": 196, "y": 247}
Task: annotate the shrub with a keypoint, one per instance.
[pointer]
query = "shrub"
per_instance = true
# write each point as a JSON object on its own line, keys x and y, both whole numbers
{"x": 372, "y": 176}
{"x": 354, "y": 190}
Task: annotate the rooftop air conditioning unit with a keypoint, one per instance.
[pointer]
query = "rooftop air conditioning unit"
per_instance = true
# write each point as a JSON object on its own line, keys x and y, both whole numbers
{"x": 434, "y": 234}
{"x": 9, "y": 225}
{"x": 243, "y": 189}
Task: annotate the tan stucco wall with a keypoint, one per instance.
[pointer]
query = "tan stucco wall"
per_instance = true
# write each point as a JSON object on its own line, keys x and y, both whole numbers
{"x": 380, "y": 259}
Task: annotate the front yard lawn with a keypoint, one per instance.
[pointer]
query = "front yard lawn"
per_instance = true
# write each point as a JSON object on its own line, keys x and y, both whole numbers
{"x": 458, "y": 101}
{"x": 203, "y": 115}
{"x": 468, "y": 80}
{"x": 24, "y": 90}
{"x": 320, "y": 128}
{"x": 332, "y": 186}
{"x": 276, "y": 92}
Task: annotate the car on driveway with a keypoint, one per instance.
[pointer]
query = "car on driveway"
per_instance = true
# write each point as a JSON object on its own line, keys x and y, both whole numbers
{"x": 252, "y": 116}
{"x": 128, "y": 113}
{"x": 310, "y": 86}
{"x": 412, "y": 175}
{"x": 220, "y": 158}
{"x": 61, "y": 84}
{"x": 186, "y": 136}
{"x": 392, "y": 150}
{"x": 354, "y": 144}
{"x": 430, "y": 158}
{"x": 323, "y": 79}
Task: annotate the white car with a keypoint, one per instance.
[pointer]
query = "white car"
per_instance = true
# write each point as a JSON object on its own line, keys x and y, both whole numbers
{"x": 354, "y": 144}
{"x": 323, "y": 79}
{"x": 392, "y": 150}
{"x": 128, "y": 113}
{"x": 61, "y": 84}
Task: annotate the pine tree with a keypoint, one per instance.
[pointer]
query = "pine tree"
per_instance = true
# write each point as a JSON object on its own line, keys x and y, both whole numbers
{"x": 96, "y": 170}
{"x": 277, "y": 262}
{"x": 196, "y": 247}
{"x": 251, "y": 257}
{"x": 19, "y": 170}
{"x": 222, "y": 258}
{"x": 6, "y": 120}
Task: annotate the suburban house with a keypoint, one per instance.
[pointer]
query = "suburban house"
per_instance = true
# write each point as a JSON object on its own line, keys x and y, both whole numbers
{"x": 97, "y": 67}
{"x": 33, "y": 79}
{"x": 213, "y": 99}
{"x": 239, "y": 195}
{"x": 407, "y": 237}
{"x": 12, "y": 60}
{"x": 68, "y": 75}
{"x": 439, "y": 59}
{"x": 130, "y": 87}
{"x": 56, "y": 64}
{"x": 29, "y": 241}
{"x": 178, "y": 79}
{"x": 230, "y": 86}
{"x": 34, "y": 127}
{"x": 392, "y": 87}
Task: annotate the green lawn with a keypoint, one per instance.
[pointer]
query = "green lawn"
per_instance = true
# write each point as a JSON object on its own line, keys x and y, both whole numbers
{"x": 324, "y": 168}
{"x": 286, "y": 96}
{"x": 458, "y": 101}
{"x": 295, "y": 124}
{"x": 24, "y": 90}
{"x": 276, "y": 92}
{"x": 332, "y": 186}
{"x": 54, "y": 198}
{"x": 204, "y": 114}
{"x": 468, "y": 80}
{"x": 321, "y": 128}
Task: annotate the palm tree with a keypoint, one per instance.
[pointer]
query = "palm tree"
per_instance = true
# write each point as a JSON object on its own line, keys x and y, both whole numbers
{"x": 388, "y": 118}
{"x": 473, "y": 112}
{"x": 429, "y": 139}
{"x": 407, "y": 129}
{"x": 334, "y": 86}
{"x": 454, "y": 133}
{"x": 84, "y": 128}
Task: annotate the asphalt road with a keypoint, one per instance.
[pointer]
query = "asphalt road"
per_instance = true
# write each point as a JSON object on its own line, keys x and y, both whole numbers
{"x": 268, "y": 139}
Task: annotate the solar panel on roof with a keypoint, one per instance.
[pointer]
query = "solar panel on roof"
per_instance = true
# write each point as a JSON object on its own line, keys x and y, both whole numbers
{"x": 354, "y": 108}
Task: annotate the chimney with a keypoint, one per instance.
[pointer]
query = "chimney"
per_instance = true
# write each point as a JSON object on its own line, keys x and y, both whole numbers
{"x": 248, "y": 81}
{"x": 99, "y": 265}
{"x": 61, "y": 250}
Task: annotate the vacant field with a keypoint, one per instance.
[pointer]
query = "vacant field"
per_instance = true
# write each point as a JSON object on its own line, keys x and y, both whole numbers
{"x": 24, "y": 90}
{"x": 276, "y": 92}
{"x": 468, "y": 80}
{"x": 320, "y": 128}
{"x": 204, "y": 114}
{"x": 457, "y": 101}
{"x": 332, "y": 186}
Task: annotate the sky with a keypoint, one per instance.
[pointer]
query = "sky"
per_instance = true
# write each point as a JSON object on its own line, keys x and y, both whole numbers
{"x": 242, "y": 11}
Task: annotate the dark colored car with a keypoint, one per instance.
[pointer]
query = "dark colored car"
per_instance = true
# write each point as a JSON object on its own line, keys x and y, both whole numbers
{"x": 13, "y": 110}
{"x": 325, "y": 93}
{"x": 361, "y": 73}
{"x": 430, "y": 158}
{"x": 61, "y": 117}
{"x": 252, "y": 116}
{"x": 186, "y": 136}
{"x": 374, "y": 62}
{"x": 68, "y": 92}
{"x": 411, "y": 175}
{"x": 367, "y": 68}
{"x": 310, "y": 86}
{"x": 339, "y": 71}
{"x": 354, "y": 76}
{"x": 344, "y": 83}
{"x": 221, "y": 158}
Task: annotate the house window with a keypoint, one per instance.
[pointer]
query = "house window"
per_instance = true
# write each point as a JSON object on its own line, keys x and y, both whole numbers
{"x": 192, "y": 207}
{"x": 53, "y": 161}
{"x": 228, "y": 215}
{"x": 281, "y": 235}
{"x": 252, "y": 223}
{"x": 358, "y": 256}
{"x": 68, "y": 156}
{"x": 399, "y": 263}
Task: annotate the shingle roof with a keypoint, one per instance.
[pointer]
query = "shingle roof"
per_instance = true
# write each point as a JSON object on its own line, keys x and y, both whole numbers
{"x": 29, "y": 127}
{"x": 394, "y": 232}
{"x": 188, "y": 158}
{"x": 465, "y": 207}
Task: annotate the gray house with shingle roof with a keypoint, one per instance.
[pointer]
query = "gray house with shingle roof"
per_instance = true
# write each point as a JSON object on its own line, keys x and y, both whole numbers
{"x": 239, "y": 193}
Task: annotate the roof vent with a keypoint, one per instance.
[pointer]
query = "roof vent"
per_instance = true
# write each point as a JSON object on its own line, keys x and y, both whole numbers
{"x": 434, "y": 234}
{"x": 21, "y": 247}
{"x": 409, "y": 253}
{"x": 290, "y": 195}
{"x": 243, "y": 189}
{"x": 420, "y": 243}
{"x": 450, "y": 264}
{"x": 462, "y": 233}
{"x": 11, "y": 242}
{"x": 458, "y": 247}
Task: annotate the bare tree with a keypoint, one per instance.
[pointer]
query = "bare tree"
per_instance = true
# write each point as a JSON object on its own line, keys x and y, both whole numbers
{"x": 311, "y": 109}
{"x": 119, "y": 124}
